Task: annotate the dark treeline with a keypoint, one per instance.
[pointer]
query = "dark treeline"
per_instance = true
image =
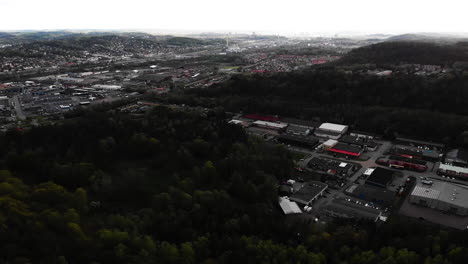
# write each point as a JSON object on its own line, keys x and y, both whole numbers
{"x": 175, "y": 187}
{"x": 432, "y": 108}
{"x": 184, "y": 187}
{"x": 413, "y": 52}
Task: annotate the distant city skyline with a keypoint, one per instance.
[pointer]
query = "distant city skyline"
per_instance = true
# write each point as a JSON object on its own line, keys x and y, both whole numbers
{"x": 273, "y": 17}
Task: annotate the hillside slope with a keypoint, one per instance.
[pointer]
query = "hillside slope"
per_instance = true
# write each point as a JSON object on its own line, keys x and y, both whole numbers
{"x": 400, "y": 52}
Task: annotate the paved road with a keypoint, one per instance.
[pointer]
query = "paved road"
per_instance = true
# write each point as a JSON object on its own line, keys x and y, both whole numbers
{"x": 19, "y": 111}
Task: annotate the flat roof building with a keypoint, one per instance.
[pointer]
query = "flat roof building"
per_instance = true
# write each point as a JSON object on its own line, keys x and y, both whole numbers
{"x": 378, "y": 196}
{"x": 349, "y": 150}
{"x": 330, "y": 166}
{"x": 380, "y": 178}
{"x": 453, "y": 171}
{"x": 444, "y": 196}
{"x": 457, "y": 157}
{"x": 329, "y": 144}
{"x": 309, "y": 192}
{"x": 300, "y": 122}
{"x": 298, "y": 130}
{"x": 300, "y": 141}
{"x": 270, "y": 125}
{"x": 349, "y": 209}
{"x": 334, "y": 127}
{"x": 363, "y": 135}
{"x": 330, "y": 130}
{"x": 288, "y": 207}
{"x": 360, "y": 142}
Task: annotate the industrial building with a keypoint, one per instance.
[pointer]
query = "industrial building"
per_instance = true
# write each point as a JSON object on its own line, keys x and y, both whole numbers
{"x": 363, "y": 135}
{"x": 444, "y": 196}
{"x": 239, "y": 122}
{"x": 378, "y": 196}
{"x": 300, "y": 141}
{"x": 270, "y": 125}
{"x": 364, "y": 143}
{"x": 331, "y": 131}
{"x": 457, "y": 157}
{"x": 298, "y": 130}
{"x": 329, "y": 144}
{"x": 379, "y": 177}
{"x": 346, "y": 208}
{"x": 289, "y": 207}
{"x": 299, "y": 126}
{"x": 330, "y": 166}
{"x": 309, "y": 192}
{"x": 345, "y": 149}
{"x": 453, "y": 171}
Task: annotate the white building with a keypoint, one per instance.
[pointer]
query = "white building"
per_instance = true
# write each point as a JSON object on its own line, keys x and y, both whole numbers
{"x": 444, "y": 196}
{"x": 453, "y": 171}
{"x": 330, "y": 130}
{"x": 107, "y": 87}
{"x": 329, "y": 144}
{"x": 270, "y": 125}
{"x": 289, "y": 207}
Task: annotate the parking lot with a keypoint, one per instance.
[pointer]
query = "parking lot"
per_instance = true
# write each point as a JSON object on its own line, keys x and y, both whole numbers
{"x": 367, "y": 160}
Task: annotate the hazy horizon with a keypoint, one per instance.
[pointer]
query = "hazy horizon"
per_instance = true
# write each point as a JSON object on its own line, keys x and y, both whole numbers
{"x": 270, "y": 17}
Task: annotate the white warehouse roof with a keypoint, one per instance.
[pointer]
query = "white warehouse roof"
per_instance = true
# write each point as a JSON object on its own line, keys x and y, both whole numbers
{"x": 289, "y": 207}
{"x": 330, "y": 143}
{"x": 444, "y": 191}
{"x": 270, "y": 124}
{"x": 334, "y": 127}
{"x": 453, "y": 168}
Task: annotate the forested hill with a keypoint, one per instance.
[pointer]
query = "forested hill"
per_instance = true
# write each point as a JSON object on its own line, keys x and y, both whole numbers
{"x": 429, "y": 107}
{"x": 176, "y": 187}
{"x": 408, "y": 52}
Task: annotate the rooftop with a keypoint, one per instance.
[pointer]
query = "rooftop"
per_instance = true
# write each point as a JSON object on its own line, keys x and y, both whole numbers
{"x": 327, "y": 132}
{"x": 444, "y": 191}
{"x": 330, "y": 142}
{"x": 381, "y": 176}
{"x": 357, "y": 141}
{"x": 289, "y": 207}
{"x": 300, "y": 122}
{"x": 302, "y": 139}
{"x": 270, "y": 124}
{"x": 453, "y": 168}
{"x": 353, "y": 209}
{"x": 334, "y": 127}
{"x": 308, "y": 192}
{"x": 459, "y": 155}
{"x": 342, "y": 147}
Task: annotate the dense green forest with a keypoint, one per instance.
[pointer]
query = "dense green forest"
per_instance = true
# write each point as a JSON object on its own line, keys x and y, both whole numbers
{"x": 175, "y": 187}
{"x": 427, "y": 107}
{"x": 408, "y": 52}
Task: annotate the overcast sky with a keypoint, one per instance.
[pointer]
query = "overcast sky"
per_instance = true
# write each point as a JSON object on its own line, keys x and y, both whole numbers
{"x": 280, "y": 16}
